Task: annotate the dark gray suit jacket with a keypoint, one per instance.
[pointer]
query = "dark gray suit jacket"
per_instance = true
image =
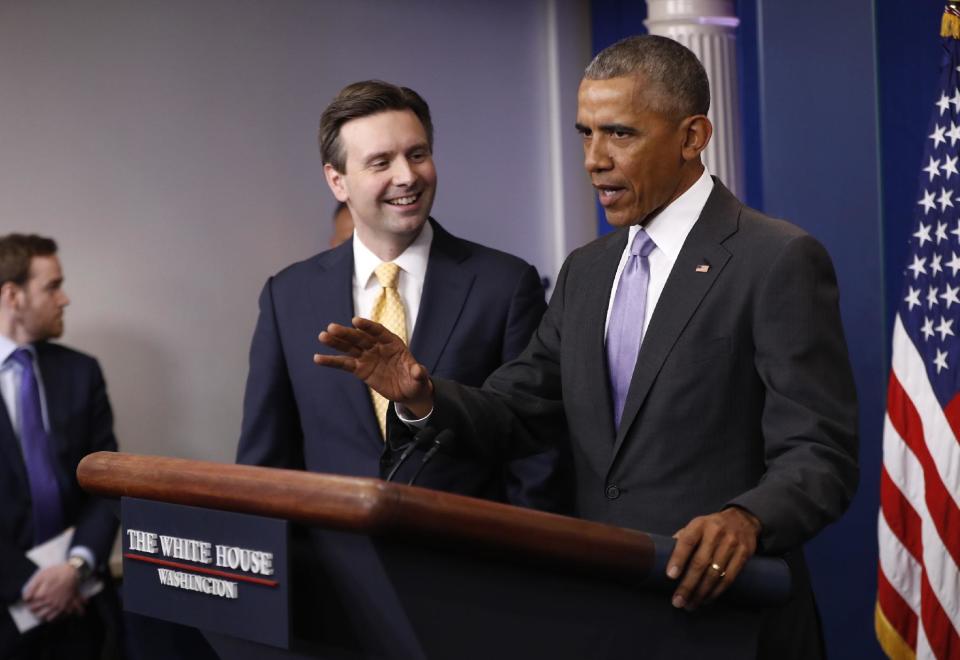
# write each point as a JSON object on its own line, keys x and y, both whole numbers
{"x": 742, "y": 392}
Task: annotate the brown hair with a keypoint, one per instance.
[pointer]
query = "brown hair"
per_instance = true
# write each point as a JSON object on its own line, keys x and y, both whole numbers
{"x": 362, "y": 99}
{"x": 16, "y": 251}
{"x": 680, "y": 79}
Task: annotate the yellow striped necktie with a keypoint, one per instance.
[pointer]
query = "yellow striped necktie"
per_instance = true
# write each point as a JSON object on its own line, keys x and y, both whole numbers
{"x": 388, "y": 312}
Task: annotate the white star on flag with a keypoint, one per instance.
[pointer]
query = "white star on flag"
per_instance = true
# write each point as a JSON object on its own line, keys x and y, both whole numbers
{"x": 913, "y": 298}
{"x": 918, "y": 266}
{"x": 945, "y": 328}
{"x": 943, "y": 103}
{"x": 933, "y": 169}
{"x": 945, "y": 199}
{"x": 927, "y": 328}
{"x": 949, "y": 295}
{"x": 954, "y": 264}
{"x": 941, "y": 360}
{"x": 941, "y": 232}
{"x": 928, "y": 202}
{"x": 937, "y": 136}
{"x": 935, "y": 266}
{"x": 953, "y": 133}
{"x": 922, "y": 234}
{"x": 933, "y": 293}
{"x": 949, "y": 166}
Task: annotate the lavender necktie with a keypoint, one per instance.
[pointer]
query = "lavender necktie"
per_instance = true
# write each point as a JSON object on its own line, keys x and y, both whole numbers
{"x": 37, "y": 454}
{"x": 625, "y": 331}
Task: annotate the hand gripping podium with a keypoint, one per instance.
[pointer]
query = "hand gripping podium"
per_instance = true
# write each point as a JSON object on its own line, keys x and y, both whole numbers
{"x": 272, "y": 563}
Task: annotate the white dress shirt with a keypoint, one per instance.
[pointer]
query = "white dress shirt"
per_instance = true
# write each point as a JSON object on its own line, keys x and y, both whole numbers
{"x": 413, "y": 272}
{"x": 669, "y": 231}
{"x": 11, "y": 375}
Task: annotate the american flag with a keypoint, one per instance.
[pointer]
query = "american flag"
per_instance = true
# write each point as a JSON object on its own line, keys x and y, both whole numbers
{"x": 918, "y": 590}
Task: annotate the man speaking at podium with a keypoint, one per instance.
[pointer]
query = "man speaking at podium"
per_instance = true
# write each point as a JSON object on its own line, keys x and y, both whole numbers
{"x": 463, "y": 309}
{"x": 695, "y": 358}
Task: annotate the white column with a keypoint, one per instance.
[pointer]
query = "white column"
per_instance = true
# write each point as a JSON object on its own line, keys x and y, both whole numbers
{"x": 707, "y": 27}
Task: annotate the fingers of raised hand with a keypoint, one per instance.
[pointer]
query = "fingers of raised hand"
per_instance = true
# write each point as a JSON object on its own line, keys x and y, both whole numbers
{"x": 340, "y": 344}
{"x": 336, "y": 361}
{"x": 351, "y": 337}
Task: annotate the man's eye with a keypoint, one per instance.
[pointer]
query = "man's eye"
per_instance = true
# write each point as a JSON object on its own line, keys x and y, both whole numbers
{"x": 418, "y": 156}
{"x": 378, "y": 164}
{"x": 620, "y": 134}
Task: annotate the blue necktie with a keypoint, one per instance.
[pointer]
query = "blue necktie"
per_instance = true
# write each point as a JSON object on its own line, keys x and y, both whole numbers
{"x": 625, "y": 331}
{"x": 37, "y": 454}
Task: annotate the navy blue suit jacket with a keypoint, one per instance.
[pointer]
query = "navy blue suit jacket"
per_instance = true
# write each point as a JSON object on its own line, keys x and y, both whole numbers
{"x": 478, "y": 309}
{"x": 81, "y": 422}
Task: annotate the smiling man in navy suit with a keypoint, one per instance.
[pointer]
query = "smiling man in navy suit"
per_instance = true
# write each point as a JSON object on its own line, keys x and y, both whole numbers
{"x": 55, "y": 411}
{"x": 462, "y": 308}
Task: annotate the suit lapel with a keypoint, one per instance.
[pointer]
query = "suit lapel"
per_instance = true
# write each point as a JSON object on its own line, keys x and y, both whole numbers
{"x": 445, "y": 289}
{"x": 682, "y": 294}
{"x": 597, "y": 291}
{"x": 10, "y": 452}
{"x": 331, "y": 296}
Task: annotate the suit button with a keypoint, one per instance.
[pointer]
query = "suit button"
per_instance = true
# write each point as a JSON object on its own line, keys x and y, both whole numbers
{"x": 613, "y": 492}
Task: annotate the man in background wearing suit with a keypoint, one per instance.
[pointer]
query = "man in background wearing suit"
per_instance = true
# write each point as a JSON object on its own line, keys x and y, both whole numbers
{"x": 695, "y": 358}
{"x": 342, "y": 222}
{"x": 462, "y": 308}
{"x": 55, "y": 411}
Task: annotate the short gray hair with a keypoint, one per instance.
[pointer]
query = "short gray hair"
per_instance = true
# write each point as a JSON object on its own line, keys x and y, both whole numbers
{"x": 672, "y": 67}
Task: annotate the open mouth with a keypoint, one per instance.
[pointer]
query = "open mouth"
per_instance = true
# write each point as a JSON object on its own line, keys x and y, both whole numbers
{"x": 407, "y": 200}
{"x": 609, "y": 194}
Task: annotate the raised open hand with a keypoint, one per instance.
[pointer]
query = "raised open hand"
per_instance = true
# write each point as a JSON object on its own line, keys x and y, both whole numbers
{"x": 381, "y": 360}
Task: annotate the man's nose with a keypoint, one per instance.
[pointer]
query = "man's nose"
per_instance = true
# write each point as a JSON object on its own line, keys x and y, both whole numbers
{"x": 595, "y": 155}
{"x": 403, "y": 173}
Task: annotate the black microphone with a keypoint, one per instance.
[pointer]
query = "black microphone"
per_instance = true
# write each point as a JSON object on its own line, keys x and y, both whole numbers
{"x": 443, "y": 437}
{"x": 422, "y": 439}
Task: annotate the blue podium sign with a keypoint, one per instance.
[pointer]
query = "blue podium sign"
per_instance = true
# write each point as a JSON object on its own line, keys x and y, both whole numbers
{"x": 214, "y": 570}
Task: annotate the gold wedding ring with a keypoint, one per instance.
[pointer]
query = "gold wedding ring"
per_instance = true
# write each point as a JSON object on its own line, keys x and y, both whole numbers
{"x": 715, "y": 566}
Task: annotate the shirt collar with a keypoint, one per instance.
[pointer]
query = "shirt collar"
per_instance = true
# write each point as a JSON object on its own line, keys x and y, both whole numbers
{"x": 8, "y": 346}
{"x": 412, "y": 261}
{"x": 672, "y": 225}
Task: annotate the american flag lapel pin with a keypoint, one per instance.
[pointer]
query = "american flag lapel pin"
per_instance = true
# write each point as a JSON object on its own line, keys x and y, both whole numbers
{"x": 703, "y": 268}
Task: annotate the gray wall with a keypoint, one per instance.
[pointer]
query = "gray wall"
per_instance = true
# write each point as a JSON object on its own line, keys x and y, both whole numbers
{"x": 170, "y": 148}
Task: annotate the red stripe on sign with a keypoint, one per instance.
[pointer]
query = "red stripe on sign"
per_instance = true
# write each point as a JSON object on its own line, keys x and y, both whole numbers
{"x": 895, "y": 609}
{"x": 943, "y": 510}
{"x": 201, "y": 569}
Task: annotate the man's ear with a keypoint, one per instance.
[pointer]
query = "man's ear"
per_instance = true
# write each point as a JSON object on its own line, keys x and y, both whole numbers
{"x": 697, "y": 131}
{"x": 336, "y": 182}
{"x": 9, "y": 293}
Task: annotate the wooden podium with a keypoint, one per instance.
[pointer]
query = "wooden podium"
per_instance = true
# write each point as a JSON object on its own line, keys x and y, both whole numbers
{"x": 381, "y": 570}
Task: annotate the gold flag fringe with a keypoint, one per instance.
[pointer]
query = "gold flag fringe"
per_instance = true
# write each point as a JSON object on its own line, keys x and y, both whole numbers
{"x": 950, "y": 25}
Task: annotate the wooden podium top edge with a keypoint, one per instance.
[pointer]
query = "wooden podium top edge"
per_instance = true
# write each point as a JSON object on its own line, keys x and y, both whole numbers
{"x": 370, "y": 506}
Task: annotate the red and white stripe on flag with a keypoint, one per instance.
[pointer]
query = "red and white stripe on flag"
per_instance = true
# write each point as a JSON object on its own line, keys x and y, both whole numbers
{"x": 918, "y": 585}
{"x": 918, "y": 595}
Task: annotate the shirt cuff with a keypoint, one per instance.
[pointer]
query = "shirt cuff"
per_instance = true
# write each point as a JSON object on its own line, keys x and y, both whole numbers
{"x": 404, "y": 416}
{"x": 85, "y": 553}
